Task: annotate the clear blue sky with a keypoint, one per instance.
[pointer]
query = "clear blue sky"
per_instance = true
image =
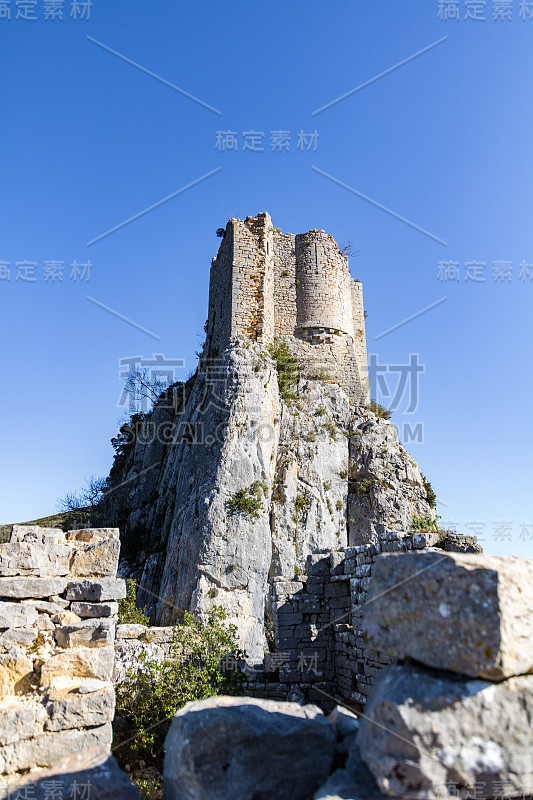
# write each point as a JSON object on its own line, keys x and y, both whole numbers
{"x": 444, "y": 141}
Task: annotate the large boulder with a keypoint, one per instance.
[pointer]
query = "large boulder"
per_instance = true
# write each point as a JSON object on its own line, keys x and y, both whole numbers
{"x": 466, "y": 613}
{"x": 431, "y": 735}
{"x": 224, "y": 748}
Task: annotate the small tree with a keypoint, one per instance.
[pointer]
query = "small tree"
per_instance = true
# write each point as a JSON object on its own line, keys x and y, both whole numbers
{"x": 204, "y": 662}
{"x": 128, "y": 611}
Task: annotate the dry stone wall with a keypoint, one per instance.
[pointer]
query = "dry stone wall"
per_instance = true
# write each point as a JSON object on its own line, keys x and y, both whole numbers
{"x": 58, "y": 610}
{"x": 320, "y": 648}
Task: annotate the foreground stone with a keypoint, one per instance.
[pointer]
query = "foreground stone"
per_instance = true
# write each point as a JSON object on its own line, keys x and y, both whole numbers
{"x": 464, "y": 613}
{"x": 93, "y": 768}
{"x": 238, "y": 747}
{"x": 432, "y": 735}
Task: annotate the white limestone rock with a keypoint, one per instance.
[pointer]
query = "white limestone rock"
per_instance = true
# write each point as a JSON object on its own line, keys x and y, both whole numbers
{"x": 466, "y": 613}
{"x": 20, "y": 588}
{"x": 87, "y": 633}
{"x": 96, "y": 591}
{"x": 426, "y": 734}
{"x": 88, "y": 610}
{"x": 25, "y": 558}
{"x": 16, "y": 615}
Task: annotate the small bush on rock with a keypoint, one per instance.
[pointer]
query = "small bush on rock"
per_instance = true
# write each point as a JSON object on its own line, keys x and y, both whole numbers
{"x": 247, "y": 501}
{"x": 379, "y": 410}
{"x": 128, "y": 613}
{"x": 287, "y": 366}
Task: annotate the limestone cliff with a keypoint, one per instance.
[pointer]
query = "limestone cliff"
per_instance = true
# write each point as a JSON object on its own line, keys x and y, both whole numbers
{"x": 225, "y": 485}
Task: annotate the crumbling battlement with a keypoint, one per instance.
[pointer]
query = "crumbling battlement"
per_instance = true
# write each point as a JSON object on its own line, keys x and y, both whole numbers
{"x": 265, "y": 285}
{"x": 58, "y": 612}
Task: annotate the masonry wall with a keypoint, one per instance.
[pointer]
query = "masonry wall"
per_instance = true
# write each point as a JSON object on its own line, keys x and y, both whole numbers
{"x": 58, "y": 612}
{"x": 320, "y": 653}
{"x": 265, "y": 284}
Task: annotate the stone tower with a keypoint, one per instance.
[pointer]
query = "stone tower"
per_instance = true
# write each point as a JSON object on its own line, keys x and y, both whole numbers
{"x": 265, "y": 285}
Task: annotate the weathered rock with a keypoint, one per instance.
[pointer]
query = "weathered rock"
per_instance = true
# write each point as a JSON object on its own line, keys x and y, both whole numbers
{"x": 91, "y": 685}
{"x": 20, "y": 719}
{"x": 49, "y": 748}
{"x": 66, "y": 669}
{"x": 17, "y": 636}
{"x": 16, "y": 615}
{"x": 197, "y": 552}
{"x": 89, "y": 633}
{"x": 128, "y": 654}
{"x": 453, "y": 611}
{"x": 93, "y": 534}
{"x": 67, "y": 710}
{"x": 353, "y": 782}
{"x": 130, "y": 631}
{"x": 36, "y": 535}
{"x": 94, "y": 558}
{"x": 229, "y": 747}
{"x": 85, "y": 610}
{"x": 97, "y": 591}
{"x": 459, "y": 543}
{"x": 93, "y": 768}
{"x": 386, "y": 485}
{"x": 47, "y": 606}
{"x": 65, "y": 618}
{"x": 24, "y": 558}
{"x": 345, "y": 721}
{"x": 16, "y": 673}
{"x": 426, "y": 733}
{"x": 31, "y": 587}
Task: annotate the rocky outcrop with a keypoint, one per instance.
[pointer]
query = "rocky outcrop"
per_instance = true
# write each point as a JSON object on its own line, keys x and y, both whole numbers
{"x": 459, "y": 612}
{"x": 322, "y": 474}
{"x": 55, "y": 667}
{"x": 234, "y": 747}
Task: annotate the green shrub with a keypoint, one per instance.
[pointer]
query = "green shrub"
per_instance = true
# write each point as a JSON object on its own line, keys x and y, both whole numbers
{"x": 343, "y": 474}
{"x": 379, "y": 410}
{"x": 321, "y": 410}
{"x": 430, "y": 494}
{"x": 331, "y": 429}
{"x": 424, "y": 523}
{"x": 287, "y": 366}
{"x": 339, "y": 505}
{"x": 128, "y": 612}
{"x": 364, "y": 485}
{"x": 221, "y": 232}
{"x": 302, "y": 503}
{"x": 203, "y": 662}
{"x": 247, "y": 501}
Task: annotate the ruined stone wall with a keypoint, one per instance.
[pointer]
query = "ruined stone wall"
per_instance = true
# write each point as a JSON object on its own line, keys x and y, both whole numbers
{"x": 58, "y": 612}
{"x": 265, "y": 284}
{"x": 320, "y": 651}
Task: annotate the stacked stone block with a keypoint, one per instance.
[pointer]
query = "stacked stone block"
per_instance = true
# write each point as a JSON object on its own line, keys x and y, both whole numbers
{"x": 320, "y": 644}
{"x": 455, "y": 719}
{"x": 58, "y": 610}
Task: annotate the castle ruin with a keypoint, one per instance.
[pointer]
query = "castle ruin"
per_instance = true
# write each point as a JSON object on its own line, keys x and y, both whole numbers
{"x": 267, "y": 285}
